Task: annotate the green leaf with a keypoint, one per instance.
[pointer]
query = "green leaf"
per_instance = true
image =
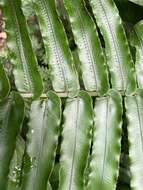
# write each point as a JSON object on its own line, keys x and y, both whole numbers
{"x": 4, "y": 83}
{"x": 27, "y": 77}
{"x": 138, "y": 2}
{"x": 134, "y": 113}
{"x": 42, "y": 139}
{"x": 14, "y": 177}
{"x": 104, "y": 165}
{"x": 77, "y": 128}
{"x": 93, "y": 64}
{"x": 117, "y": 50}
{"x": 63, "y": 75}
{"x": 137, "y": 42}
{"x": 11, "y": 117}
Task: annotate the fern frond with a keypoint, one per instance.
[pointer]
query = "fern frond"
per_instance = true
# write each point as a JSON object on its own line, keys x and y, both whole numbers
{"x": 134, "y": 113}
{"x": 11, "y": 117}
{"x": 27, "y": 77}
{"x": 137, "y": 42}
{"x": 116, "y": 46}
{"x": 42, "y": 139}
{"x": 77, "y": 127}
{"x": 104, "y": 165}
{"x": 63, "y": 75}
{"x": 93, "y": 64}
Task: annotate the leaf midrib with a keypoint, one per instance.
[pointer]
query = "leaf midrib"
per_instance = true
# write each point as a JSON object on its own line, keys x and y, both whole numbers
{"x": 75, "y": 142}
{"x": 57, "y": 53}
{"x": 88, "y": 49}
{"x": 115, "y": 45}
{"x": 105, "y": 142}
{"x": 45, "y": 117}
{"x": 25, "y": 66}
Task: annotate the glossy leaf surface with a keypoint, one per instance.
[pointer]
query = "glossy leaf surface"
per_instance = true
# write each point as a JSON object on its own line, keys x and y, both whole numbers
{"x": 27, "y": 77}
{"x": 104, "y": 165}
{"x": 63, "y": 75}
{"x": 11, "y": 117}
{"x": 116, "y": 46}
{"x": 134, "y": 113}
{"x": 77, "y": 127}
{"x": 137, "y": 42}
{"x": 93, "y": 63}
{"x": 42, "y": 139}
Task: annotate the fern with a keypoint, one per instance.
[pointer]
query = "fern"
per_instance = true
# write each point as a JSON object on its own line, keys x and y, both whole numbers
{"x": 76, "y": 134}
{"x": 134, "y": 111}
{"x": 11, "y": 117}
{"x": 63, "y": 75}
{"x": 93, "y": 64}
{"x": 137, "y": 42}
{"x": 71, "y": 139}
{"x": 27, "y": 77}
{"x": 116, "y": 45}
{"x": 104, "y": 164}
{"x": 42, "y": 140}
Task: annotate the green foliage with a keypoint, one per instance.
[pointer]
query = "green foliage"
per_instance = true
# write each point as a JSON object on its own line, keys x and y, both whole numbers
{"x": 93, "y": 64}
{"x": 137, "y": 42}
{"x": 27, "y": 77}
{"x": 86, "y": 135}
{"x": 134, "y": 112}
{"x": 42, "y": 139}
{"x": 104, "y": 164}
{"x": 116, "y": 46}
{"x": 77, "y": 128}
{"x": 63, "y": 74}
{"x": 11, "y": 117}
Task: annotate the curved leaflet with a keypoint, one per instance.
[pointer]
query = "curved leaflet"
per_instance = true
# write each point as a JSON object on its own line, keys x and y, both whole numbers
{"x": 93, "y": 64}
{"x": 11, "y": 118}
{"x": 4, "y": 83}
{"x": 77, "y": 128}
{"x": 134, "y": 113}
{"x": 137, "y": 42}
{"x": 63, "y": 75}
{"x": 27, "y": 77}
{"x": 42, "y": 139}
{"x": 104, "y": 165}
{"x": 116, "y": 46}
